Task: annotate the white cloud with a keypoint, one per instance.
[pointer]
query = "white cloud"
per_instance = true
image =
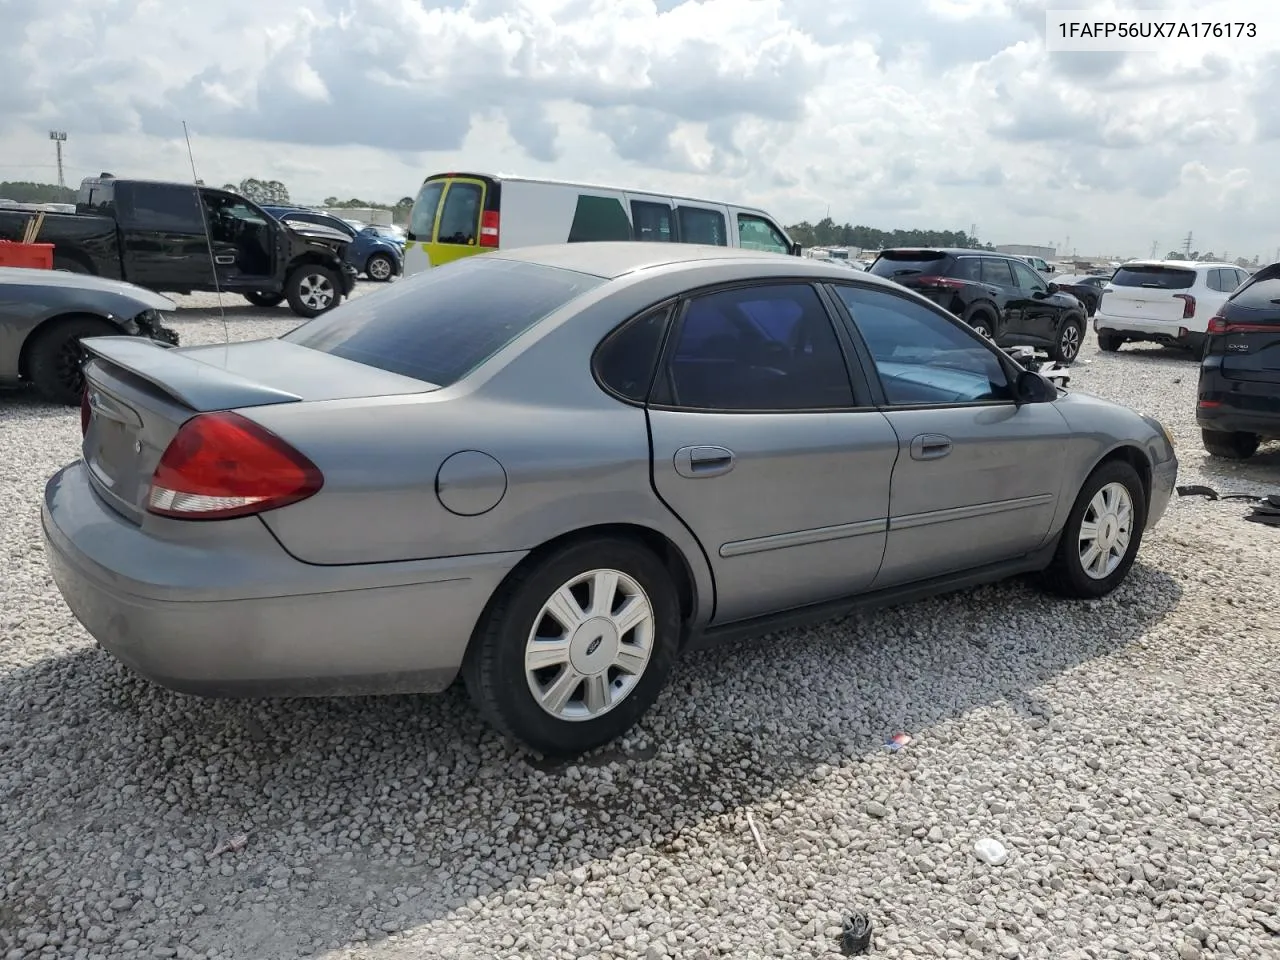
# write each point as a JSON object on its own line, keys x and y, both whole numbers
{"x": 919, "y": 113}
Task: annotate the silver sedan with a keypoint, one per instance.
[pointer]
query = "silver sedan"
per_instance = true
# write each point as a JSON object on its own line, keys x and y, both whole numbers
{"x": 553, "y": 469}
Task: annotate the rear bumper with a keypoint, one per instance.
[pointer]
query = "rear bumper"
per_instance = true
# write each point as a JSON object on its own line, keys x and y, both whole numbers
{"x": 1226, "y": 419}
{"x": 225, "y": 611}
{"x": 1174, "y": 333}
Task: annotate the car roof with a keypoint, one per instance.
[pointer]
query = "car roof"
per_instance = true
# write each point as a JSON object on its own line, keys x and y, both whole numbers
{"x": 952, "y": 252}
{"x": 611, "y": 259}
{"x": 1181, "y": 264}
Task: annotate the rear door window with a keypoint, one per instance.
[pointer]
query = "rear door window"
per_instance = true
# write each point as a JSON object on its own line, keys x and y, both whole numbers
{"x": 422, "y": 216}
{"x": 911, "y": 263}
{"x": 997, "y": 272}
{"x": 599, "y": 218}
{"x": 166, "y": 207}
{"x": 460, "y": 217}
{"x": 440, "y": 325}
{"x": 699, "y": 225}
{"x": 652, "y": 221}
{"x": 1154, "y": 277}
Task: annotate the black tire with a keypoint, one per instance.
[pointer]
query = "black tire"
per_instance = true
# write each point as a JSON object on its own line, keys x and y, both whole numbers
{"x": 259, "y": 299}
{"x": 1109, "y": 342}
{"x": 1196, "y": 344}
{"x": 312, "y": 290}
{"x": 982, "y": 322}
{"x": 1091, "y": 305}
{"x": 494, "y": 669}
{"x": 1230, "y": 446}
{"x": 1070, "y": 336}
{"x": 55, "y": 357}
{"x": 380, "y": 268}
{"x": 1066, "y": 575}
{"x": 69, "y": 265}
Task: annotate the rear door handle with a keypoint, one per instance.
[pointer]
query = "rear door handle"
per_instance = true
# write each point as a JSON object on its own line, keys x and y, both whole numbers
{"x": 225, "y": 261}
{"x": 930, "y": 446}
{"x": 698, "y": 462}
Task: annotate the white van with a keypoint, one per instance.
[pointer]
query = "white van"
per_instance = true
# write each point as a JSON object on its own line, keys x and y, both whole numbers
{"x": 459, "y": 214}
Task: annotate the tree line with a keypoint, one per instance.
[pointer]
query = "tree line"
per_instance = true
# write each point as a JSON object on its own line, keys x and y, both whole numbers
{"x": 827, "y": 233}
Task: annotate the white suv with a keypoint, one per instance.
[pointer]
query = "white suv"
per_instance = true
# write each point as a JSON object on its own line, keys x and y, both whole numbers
{"x": 1163, "y": 301}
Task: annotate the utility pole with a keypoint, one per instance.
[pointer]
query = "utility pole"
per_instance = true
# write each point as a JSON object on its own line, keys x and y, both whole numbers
{"x": 1187, "y": 244}
{"x": 59, "y": 137}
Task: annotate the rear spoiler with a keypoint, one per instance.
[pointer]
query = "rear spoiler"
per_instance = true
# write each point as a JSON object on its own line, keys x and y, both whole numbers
{"x": 201, "y": 386}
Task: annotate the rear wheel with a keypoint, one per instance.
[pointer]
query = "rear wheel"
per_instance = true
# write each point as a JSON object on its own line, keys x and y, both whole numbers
{"x": 380, "y": 268}
{"x": 55, "y": 357}
{"x": 982, "y": 323}
{"x": 1091, "y": 305}
{"x": 312, "y": 289}
{"x": 1230, "y": 446}
{"x": 1067, "y": 347}
{"x": 1102, "y": 534}
{"x": 574, "y": 649}
{"x": 1109, "y": 342}
{"x": 259, "y": 299}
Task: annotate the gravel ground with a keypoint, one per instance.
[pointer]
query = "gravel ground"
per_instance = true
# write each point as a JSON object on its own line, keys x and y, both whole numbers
{"x": 1124, "y": 751}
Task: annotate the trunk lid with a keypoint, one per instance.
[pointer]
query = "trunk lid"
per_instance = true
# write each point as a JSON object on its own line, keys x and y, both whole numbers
{"x": 140, "y": 392}
{"x": 1148, "y": 292}
{"x": 1250, "y": 347}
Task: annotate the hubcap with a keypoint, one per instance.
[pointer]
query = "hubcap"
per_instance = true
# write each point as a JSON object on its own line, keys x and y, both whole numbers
{"x": 590, "y": 645}
{"x": 379, "y": 268}
{"x": 315, "y": 291}
{"x": 1070, "y": 342}
{"x": 981, "y": 330}
{"x": 1105, "y": 531}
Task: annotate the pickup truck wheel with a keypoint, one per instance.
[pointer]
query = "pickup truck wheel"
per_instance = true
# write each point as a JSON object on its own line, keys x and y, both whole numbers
{"x": 312, "y": 290}
{"x": 380, "y": 268}
{"x": 55, "y": 357}
{"x": 265, "y": 299}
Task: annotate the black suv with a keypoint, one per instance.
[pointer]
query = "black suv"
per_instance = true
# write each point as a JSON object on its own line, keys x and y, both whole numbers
{"x": 999, "y": 296}
{"x": 1239, "y": 395}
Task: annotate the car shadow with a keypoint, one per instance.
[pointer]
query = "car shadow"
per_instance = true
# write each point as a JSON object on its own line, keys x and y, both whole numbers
{"x": 335, "y": 796}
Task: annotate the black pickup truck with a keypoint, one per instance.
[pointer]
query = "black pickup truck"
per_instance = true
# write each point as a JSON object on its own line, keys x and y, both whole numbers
{"x": 153, "y": 234}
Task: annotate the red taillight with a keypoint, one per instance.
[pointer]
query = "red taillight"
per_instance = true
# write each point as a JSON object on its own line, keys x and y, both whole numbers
{"x": 1188, "y": 305}
{"x": 1220, "y": 325}
{"x": 489, "y": 228}
{"x": 945, "y": 283}
{"x": 222, "y": 465}
{"x": 1209, "y": 404}
{"x": 86, "y": 411}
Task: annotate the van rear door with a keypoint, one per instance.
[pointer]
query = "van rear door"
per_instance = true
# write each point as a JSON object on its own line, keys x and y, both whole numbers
{"x": 455, "y": 215}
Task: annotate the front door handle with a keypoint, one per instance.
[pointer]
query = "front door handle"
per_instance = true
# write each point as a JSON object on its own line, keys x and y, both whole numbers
{"x": 698, "y": 462}
{"x": 930, "y": 446}
{"x": 224, "y": 260}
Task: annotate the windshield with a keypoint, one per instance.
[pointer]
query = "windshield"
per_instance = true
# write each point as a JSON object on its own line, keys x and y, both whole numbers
{"x": 440, "y": 325}
{"x": 1154, "y": 277}
{"x": 908, "y": 263}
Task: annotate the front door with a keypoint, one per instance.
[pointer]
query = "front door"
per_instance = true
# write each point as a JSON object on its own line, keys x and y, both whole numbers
{"x": 979, "y": 476}
{"x": 1039, "y": 314}
{"x": 243, "y": 239}
{"x": 768, "y": 452}
{"x": 164, "y": 237}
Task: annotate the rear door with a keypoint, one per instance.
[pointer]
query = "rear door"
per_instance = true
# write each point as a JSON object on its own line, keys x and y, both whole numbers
{"x": 1250, "y": 345}
{"x": 979, "y": 476}
{"x": 997, "y": 276}
{"x": 163, "y": 236}
{"x": 1151, "y": 292}
{"x": 768, "y": 452}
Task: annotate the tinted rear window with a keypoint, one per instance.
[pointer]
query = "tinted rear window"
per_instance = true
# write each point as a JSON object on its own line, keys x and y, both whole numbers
{"x": 439, "y": 325}
{"x": 1261, "y": 293}
{"x": 1154, "y": 278}
{"x": 907, "y": 264}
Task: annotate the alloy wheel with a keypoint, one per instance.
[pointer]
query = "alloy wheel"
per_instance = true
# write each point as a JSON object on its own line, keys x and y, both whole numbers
{"x": 315, "y": 291}
{"x": 1106, "y": 530}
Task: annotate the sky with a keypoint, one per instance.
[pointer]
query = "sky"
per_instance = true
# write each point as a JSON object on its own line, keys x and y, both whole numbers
{"x": 935, "y": 114}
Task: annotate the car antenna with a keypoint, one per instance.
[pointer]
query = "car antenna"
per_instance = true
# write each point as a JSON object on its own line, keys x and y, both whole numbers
{"x": 208, "y": 237}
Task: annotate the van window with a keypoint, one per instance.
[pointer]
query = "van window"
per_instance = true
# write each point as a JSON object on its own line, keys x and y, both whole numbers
{"x": 698, "y": 225}
{"x": 422, "y": 217}
{"x": 599, "y": 218}
{"x": 460, "y": 218}
{"x": 652, "y": 221}
{"x": 757, "y": 233}
{"x": 170, "y": 207}
{"x": 440, "y": 325}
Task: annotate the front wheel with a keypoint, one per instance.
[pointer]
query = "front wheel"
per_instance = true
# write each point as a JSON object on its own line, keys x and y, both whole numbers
{"x": 380, "y": 268}
{"x": 1230, "y": 446}
{"x": 56, "y": 358}
{"x": 312, "y": 290}
{"x": 259, "y": 299}
{"x": 1102, "y": 534}
{"x": 1067, "y": 347}
{"x": 574, "y": 649}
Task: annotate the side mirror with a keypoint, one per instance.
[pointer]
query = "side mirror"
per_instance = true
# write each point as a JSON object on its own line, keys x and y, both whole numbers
{"x": 1054, "y": 288}
{"x": 796, "y": 248}
{"x": 1030, "y": 387}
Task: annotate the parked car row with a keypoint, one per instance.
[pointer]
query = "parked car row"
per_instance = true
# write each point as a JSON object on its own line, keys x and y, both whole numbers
{"x": 377, "y": 252}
